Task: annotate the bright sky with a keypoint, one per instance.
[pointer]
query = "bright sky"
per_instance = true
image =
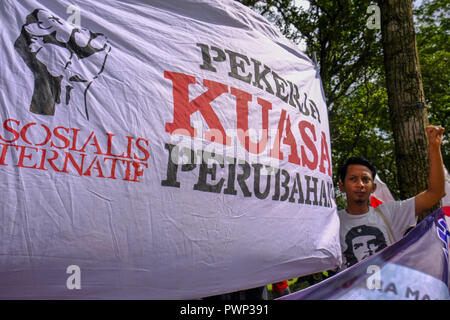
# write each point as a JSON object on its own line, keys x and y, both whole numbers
{"x": 302, "y": 3}
{"x": 305, "y": 5}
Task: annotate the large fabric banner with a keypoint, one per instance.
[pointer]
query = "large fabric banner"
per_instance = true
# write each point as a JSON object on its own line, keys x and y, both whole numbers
{"x": 415, "y": 268}
{"x": 158, "y": 150}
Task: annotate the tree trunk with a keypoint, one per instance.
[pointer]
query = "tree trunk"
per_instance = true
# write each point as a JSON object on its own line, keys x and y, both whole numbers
{"x": 405, "y": 95}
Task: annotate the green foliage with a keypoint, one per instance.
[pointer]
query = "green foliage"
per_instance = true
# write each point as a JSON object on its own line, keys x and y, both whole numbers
{"x": 433, "y": 43}
{"x": 364, "y": 130}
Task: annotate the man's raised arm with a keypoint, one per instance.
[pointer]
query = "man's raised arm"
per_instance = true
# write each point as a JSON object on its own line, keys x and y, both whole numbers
{"x": 436, "y": 180}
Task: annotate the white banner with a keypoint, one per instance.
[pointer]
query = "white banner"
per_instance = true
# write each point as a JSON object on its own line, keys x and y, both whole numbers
{"x": 158, "y": 150}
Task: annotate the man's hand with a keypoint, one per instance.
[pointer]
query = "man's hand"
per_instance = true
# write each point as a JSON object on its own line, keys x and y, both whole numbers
{"x": 435, "y": 135}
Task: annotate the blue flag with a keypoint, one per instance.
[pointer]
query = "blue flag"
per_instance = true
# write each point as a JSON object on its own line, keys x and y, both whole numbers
{"x": 416, "y": 267}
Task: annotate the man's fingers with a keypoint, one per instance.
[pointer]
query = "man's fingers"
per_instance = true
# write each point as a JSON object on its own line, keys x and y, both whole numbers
{"x": 434, "y": 130}
{"x": 430, "y": 130}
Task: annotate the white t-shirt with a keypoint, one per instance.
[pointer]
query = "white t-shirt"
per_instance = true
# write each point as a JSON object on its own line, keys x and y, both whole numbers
{"x": 363, "y": 235}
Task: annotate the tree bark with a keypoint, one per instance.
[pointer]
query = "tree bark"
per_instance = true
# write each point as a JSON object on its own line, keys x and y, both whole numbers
{"x": 405, "y": 95}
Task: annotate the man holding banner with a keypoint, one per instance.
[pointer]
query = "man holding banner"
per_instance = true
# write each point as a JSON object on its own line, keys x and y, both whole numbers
{"x": 416, "y": 266}
{"x": 365, "y": 230}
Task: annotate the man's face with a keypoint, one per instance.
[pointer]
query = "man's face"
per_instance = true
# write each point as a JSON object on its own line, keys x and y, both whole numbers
{"x": 364, "y": 246}
{"x": 358, "y": 184}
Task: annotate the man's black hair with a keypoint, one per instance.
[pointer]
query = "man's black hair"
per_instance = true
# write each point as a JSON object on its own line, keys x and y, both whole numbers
{"x": 356, "y": 160}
